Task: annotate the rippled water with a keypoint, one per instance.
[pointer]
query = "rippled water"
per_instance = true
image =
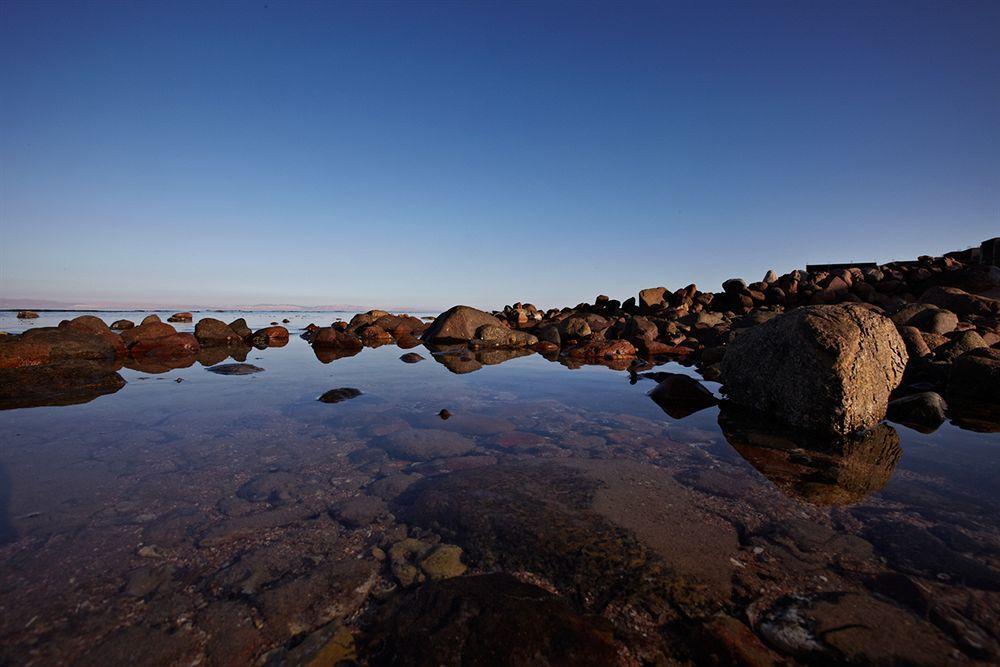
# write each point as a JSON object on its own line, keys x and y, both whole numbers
{"x": 196, "y": 517}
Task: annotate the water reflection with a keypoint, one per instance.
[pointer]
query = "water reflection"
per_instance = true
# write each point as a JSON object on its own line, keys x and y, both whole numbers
{"x": 809, "y": 467}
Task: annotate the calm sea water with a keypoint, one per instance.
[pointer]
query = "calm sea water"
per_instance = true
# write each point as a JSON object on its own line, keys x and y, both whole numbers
{"x": 196, "y": 517}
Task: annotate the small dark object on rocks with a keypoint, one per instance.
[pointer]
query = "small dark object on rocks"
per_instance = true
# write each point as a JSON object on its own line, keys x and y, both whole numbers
{"x": 179, "y": 380}
{"x": 338, "y": 395}
{"x": 444, "y": 414}
{"x": 411, "y": 358}
{"x": 285, "y": 321}
{"x": 235, "y": 369}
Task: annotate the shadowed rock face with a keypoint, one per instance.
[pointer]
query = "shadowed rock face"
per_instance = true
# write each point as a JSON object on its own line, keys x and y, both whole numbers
{"x": 486, "y": 619}
{"x": 815, "y": 469}
{"x": 821, "y": 368}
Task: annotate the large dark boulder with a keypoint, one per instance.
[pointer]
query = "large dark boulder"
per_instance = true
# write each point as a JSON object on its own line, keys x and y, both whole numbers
{"x": 210, "y": 331}
{"x": 459, "y": 323}
{"x": 820, "y": 368}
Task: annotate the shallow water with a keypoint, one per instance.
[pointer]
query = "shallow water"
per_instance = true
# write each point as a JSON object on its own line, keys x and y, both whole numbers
{"x": 197, "y": 517}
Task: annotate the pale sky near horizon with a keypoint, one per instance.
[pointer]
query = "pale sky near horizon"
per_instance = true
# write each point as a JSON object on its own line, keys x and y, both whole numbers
{"x": 433, "y": 153}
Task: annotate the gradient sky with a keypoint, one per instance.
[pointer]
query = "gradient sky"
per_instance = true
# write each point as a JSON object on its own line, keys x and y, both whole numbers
{"x": 427, "y": 154}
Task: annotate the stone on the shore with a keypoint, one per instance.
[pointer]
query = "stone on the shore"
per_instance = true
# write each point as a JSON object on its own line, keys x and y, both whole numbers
{"x": 975, "y": 378}
{"x": 239, "y": 325}
{"x": 150, "y": 319}
{"x": 147, "y": 331}
{"x": 820, "y": 368}
{"x": 652, "y": 297}
{"x": 924, "y": 412}
{"x": 210, "y": 331}
{"x": 95, "y": 326}
{"x": 27, "y": 315}
{"x": 489, "y": 335}
{"x": 574, "y": 327}
{"x": 333, "y": 338}
{"x": 411, "y": 358}
{"x": 53, "y": 345}
{"x": 167, "y": 347}
{"x": 459, "y": 323}
{"x": 961, "y": 302}
{"x": 272, "y": 336}
{"x": 180, "y": 317}
{"x": 122, "y": 325}
{"x": 959, "y": 345}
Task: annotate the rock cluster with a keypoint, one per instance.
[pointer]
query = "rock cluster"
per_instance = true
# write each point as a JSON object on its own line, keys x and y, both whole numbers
{"x": 856, "y": 337}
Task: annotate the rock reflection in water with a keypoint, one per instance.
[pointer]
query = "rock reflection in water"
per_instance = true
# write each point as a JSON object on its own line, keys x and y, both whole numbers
{"x": 459, "y": 359}
{"x": 815, "y": 469}
{"x": 69, "y": 383}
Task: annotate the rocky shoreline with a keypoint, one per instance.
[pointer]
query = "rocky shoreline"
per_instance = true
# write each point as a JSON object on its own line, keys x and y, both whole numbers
{"x": 826, "y": 351}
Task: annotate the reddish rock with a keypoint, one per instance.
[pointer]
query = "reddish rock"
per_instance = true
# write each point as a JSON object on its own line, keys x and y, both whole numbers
{"x": 147, "y": 332}
{"x": 240, "y": 327}
{"x": 95, "y": 326}
{"x": 122, "y": 325}
{"x": 272, "y": 336}
{"x": 27, "y": 315}
{"x": 329, "y": 337}
{"x": 459, "y": 323}
{"x": 210, "y": 331}
{"x": 167, "y": 347}
{"x": 53, "y": 345}
{"x": 599, "y": 350}
{"x": 180, "y": 317}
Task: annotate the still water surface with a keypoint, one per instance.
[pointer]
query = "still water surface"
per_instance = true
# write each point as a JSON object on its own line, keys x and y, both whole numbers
{"x": 200, "y": 518}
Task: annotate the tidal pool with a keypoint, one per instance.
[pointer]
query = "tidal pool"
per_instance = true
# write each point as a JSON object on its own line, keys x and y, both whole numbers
{"x": 558, "y": 516}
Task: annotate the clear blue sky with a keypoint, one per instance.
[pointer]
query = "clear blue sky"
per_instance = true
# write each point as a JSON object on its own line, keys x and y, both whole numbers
{"x": 438, "y": 153}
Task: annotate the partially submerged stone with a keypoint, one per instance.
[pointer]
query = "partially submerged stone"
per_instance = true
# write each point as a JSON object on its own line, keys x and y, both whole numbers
{"x": 820, "y": 368}
{"x": 459, "y": 323}
{"x": 339, "y": 395}
{"x": 235, "y": 369}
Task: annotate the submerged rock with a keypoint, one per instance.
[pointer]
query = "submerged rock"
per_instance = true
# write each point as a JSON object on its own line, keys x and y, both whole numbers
{"x": 820, "y": 368}
{"x": 235, "y": 369}
{"x": 459, "y": 323}
{"x": 425, "y": 444}
{"x": 486, "y": 619}
{"x": 411, "y": 358}
{"x": 338, "y": 395}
